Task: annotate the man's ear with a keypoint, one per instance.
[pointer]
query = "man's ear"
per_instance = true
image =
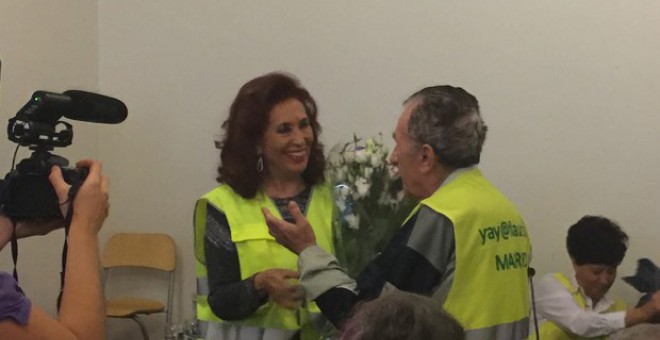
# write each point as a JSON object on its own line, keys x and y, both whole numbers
{"x": 428, "y": 158}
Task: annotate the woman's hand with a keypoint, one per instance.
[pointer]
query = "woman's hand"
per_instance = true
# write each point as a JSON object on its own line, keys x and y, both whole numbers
{"x": 90, "y": 205}
{"x": 295, "y": 237}
{"x": 652, "y": 307}
{"x": 37, "y": 226}
{"x": 281, "y": 285}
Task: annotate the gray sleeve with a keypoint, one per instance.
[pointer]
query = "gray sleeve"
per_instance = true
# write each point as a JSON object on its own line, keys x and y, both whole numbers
{"x": 433, "y": 238}
{"x": 320, "y": 271}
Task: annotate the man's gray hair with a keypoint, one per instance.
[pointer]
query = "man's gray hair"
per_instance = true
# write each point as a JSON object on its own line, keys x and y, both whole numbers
{"x": 448, "y": 119}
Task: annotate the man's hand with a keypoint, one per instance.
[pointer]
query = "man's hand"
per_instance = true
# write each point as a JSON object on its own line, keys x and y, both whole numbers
{"x": 281, "y": 286}
{"x": 295, "y": 237}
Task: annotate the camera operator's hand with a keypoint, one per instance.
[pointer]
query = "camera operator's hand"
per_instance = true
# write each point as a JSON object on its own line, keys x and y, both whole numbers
{"x": 90, "y": 205}
{"x": 26, "y": 228}
{"x": 37, "y": 226}
{"x": 61, "y": 189}
{"x": 82, "y": 312}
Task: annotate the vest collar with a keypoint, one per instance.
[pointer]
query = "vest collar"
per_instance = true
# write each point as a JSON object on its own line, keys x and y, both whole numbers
{"x": 454, "y": 174}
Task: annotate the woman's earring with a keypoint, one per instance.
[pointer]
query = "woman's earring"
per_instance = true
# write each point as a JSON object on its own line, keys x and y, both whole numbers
{"x": 260, "y": 164}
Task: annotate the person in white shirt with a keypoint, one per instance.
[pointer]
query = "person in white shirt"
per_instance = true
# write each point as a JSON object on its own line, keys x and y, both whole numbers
{"x": 579, "y": 306}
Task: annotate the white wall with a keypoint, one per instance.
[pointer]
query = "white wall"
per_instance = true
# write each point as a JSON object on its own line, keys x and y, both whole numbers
{"x": 567, "y": 88}
{"x": 49, "y": 46}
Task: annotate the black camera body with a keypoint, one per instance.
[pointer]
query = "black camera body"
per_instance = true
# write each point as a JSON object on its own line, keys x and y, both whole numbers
{"x": 26, "y": 191}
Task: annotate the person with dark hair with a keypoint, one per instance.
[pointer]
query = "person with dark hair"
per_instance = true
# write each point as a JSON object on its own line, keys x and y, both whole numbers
{"x": 465, "y": 243}
{"x": 579, "y": 306}
{"x": 399, "y": 315}
{"x": 81, "y": 314}
{"x": 270, "y": 155}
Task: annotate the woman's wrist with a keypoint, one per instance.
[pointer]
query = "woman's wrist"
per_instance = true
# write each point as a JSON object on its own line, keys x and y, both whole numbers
{"x": 77, "y": 231}
{"x": 6, "y": 230}
{"x": 85, "y": 223}
{"x": 259, "y": 282}
{"x": 259, "y": 288}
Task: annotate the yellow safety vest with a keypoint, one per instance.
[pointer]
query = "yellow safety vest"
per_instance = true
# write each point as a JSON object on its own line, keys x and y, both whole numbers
{"x": 258, "y": 250}
{"x": 551, "y": 331}
{"x": 490, "y": 290}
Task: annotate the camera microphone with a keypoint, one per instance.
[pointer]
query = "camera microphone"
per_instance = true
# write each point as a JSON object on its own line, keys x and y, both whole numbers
{"x": 95, "y": 108}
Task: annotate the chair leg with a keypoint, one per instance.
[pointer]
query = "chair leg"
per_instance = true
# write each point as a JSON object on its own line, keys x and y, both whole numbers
{"x": 143, "y": 329}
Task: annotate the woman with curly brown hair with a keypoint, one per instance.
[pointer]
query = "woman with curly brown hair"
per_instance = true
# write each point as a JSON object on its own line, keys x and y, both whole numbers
{"x": 270, "y": 155}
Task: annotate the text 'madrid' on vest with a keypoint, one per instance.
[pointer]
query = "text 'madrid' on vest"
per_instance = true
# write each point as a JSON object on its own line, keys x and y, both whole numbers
{"x": 490, "y": 290}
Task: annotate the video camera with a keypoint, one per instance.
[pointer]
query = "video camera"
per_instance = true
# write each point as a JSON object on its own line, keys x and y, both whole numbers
{"x": 26, "y": 191}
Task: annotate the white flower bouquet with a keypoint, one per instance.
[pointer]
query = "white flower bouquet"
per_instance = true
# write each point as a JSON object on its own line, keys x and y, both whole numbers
{"x": 369, "y": 202}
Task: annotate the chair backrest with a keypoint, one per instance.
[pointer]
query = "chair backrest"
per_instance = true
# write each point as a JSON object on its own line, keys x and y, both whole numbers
{"x": 156, "y": 251}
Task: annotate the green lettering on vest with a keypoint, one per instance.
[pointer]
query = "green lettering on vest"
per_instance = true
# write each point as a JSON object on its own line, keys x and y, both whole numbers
{"x": 503, "y": 231}
{"x": 511, "y": 261}
{"x": 501, "y": 263}
{"x": 506, "y": 229}
{"x": 491, "y": 233}
{"x": 482, "y": 233}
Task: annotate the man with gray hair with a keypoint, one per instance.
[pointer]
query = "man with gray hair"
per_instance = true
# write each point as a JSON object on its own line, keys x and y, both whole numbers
{"x": 465, "y": 243}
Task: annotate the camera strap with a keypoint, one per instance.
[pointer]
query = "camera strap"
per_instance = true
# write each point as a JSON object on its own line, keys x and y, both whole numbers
{"x": 67, "y": 224}
{"x": 14, "y": 248}
{"x": 14, "y": 252}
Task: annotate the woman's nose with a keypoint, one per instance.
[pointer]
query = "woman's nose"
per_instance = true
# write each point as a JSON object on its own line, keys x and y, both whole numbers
{"x": 298, "y": 136}
{"x": 606, "y": 279}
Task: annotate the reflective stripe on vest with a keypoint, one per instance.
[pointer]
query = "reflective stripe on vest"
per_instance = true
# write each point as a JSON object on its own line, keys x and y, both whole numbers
{"x": 490, "y": 291}
{"x": 513, "y": 330}
{"x": 550, "y": 330}
{"x": 257, "y": 249}
{"x": 231, "y": 331}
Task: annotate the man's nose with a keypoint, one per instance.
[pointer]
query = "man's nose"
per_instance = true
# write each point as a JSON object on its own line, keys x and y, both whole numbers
{"x": 393, "y": 158}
